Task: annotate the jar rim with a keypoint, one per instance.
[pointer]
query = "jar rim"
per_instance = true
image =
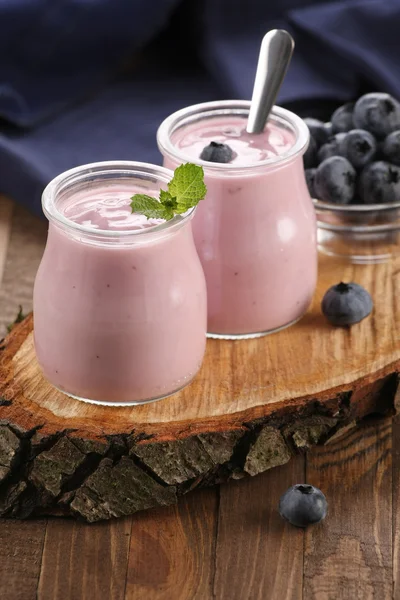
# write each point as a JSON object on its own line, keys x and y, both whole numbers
{"x": 229, "y": 107}
{"x": 87, "y": 172}
{"x": 355, "y": 208}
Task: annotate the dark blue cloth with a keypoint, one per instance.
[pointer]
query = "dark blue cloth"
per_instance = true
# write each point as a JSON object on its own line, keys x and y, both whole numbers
{"x": 89, "y": 80}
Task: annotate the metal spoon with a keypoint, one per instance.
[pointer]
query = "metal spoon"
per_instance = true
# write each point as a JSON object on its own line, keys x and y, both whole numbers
{"x": 275, "y": 54}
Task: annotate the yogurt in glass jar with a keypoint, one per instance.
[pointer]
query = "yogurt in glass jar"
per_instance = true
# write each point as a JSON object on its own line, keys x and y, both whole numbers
{"x": 256, "y": 230}
{"x": 119, "y": 299}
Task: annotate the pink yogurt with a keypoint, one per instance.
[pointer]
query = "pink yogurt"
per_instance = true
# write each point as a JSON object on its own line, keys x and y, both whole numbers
{"x": 256, "y": 231}
{"x": 119, "y": 300}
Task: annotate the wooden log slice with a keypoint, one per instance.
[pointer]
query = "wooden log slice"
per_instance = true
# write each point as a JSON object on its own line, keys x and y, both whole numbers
{"x": 252, "y": 406}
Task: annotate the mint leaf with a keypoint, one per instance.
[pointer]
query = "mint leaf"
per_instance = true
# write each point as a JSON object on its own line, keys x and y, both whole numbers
{"x": 167, "y": 200}
{"x": 169, "y": 204}
{"x": 148, "y": 206}
{"x": 152, "y": 208}
{"x": 19, "y": 318}
{"x": 185, "y": 190}
{"x": 187, "y": 186}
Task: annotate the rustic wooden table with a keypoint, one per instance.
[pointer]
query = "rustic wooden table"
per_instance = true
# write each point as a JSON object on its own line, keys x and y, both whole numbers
{"x": 225, "y": 543}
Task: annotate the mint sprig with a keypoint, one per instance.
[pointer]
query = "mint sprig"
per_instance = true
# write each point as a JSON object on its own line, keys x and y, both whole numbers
{"x": 19, "y": 318}
{"x": 185, "y": 190}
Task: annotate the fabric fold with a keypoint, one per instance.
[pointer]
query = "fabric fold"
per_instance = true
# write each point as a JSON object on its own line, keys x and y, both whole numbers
{"x": 89, "y": 80}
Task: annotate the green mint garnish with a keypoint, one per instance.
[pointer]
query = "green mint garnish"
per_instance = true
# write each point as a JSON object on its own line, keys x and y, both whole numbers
{"x": 185, "y": 190}
{"x": 19, "y": 318}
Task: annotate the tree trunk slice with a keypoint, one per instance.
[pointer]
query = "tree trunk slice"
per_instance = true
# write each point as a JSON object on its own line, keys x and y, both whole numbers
{"x": 253, "y": 405}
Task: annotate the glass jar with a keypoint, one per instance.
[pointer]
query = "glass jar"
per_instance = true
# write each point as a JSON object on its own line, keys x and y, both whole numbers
{"x": 120, "y": 315}
{"x": 256, "y": 230}
{"x": 359, "y": 234}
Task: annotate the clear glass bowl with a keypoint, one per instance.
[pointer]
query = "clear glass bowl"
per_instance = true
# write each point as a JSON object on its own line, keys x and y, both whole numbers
{"x": 360, "y": 233}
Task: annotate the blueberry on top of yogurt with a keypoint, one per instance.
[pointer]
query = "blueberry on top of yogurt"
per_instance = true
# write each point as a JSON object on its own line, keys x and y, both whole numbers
{"x": 225, "y": 140}
{"x": 216, "y": 152}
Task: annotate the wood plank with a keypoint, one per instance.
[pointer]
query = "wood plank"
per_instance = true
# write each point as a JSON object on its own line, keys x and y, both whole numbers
{"x": 25, "y": 248}
{"x": 6, "y": 210}
{"x": 171, "y": 555}
{"x": 258, "y": 555}
{"x": 396, "y": 506}
{"x": 84, "y": 562}
{"x": 349, "y": 556}
{"x": 21, "y": 546}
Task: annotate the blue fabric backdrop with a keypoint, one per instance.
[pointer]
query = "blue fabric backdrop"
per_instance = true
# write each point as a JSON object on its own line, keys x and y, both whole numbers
{"x": 89, "y": 80}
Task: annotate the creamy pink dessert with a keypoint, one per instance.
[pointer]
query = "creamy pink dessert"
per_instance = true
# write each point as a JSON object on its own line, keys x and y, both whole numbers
{"x": 119, "y": 307}
{"x": 248, "y": 149}
{"x": 108, "y": 208}
{"x": 256, "y": 231}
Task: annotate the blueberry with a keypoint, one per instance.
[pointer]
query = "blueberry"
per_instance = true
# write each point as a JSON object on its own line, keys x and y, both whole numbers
{"x": 380, "y": 183}
{"x": 303, "y": 505}
{"x": 391, "y": 147}
{"x": 310, "y": 156}
{"x": 216, "y": 152}
{"x": 342, "y": 118}
{"x": 310, "y": 179}
{"x": 318, "y": 130}
{"x": 377, "y": 113}
{"x": 346, "y": 304}
{"x": 331, "y": 148}
{"x": 329, "y": 129}
{"x": 335, "y": 180}
{"x": 358, "y": 146}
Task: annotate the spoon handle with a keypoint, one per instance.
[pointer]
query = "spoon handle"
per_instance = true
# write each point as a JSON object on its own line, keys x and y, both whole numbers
{"x": 275, "y": 54}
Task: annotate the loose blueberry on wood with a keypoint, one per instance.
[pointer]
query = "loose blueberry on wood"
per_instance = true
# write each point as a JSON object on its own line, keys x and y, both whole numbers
{"x": 345, "y": 304}
{"x": 303, "y": 505}
{"x": 216, "y": 152}
{"x": 335, "y": 180}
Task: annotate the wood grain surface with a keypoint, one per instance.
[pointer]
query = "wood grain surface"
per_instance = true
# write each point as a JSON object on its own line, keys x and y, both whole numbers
{"x": 6, "y": 209}
{"x": 172, "y": 551}
{"x": 258, "y": 555}
{"x": 80, "y": 561}
{"x": 356, "y": 474}
{"x": 23, "y": 237}
{"x": 235, "y": 541}
{"x": 396, "y": 505}
{"x": 21, "y": 547}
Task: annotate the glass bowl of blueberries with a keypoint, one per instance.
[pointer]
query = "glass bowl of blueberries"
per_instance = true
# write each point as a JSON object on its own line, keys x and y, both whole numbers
{"x": 352, "y": 168}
